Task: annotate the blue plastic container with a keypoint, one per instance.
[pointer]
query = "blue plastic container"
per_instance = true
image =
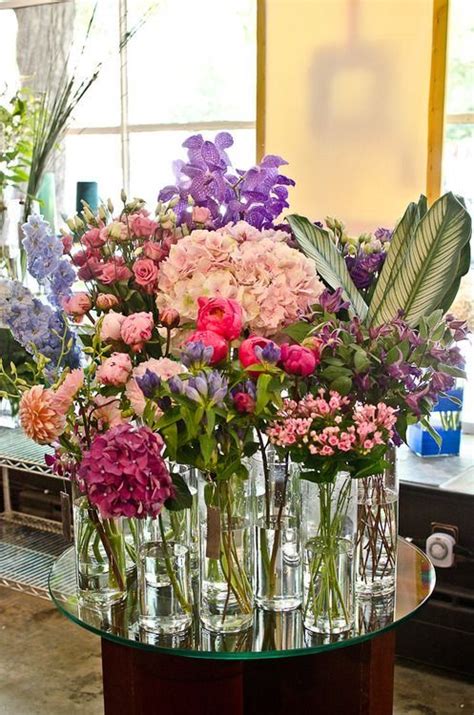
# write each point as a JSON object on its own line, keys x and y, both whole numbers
{"x": 446, "y": 420}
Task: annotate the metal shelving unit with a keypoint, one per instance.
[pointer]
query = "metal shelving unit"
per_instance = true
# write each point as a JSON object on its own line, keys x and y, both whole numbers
{"x": 28, "y": 544}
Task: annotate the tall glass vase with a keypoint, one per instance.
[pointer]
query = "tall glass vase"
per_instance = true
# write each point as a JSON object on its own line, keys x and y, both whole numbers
{"x": 100, "y": 555}
{"x": 377, "y": 531}
{"x": 278, "y": 582}
{"x": 329, "y": 530}
{"x": 164, "y": 574}
{"x": 226, "y": 599}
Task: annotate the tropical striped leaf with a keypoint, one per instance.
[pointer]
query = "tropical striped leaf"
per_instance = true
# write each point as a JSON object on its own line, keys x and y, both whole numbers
{"x": 430, "y": 263}
{"x": 317, "y": 244}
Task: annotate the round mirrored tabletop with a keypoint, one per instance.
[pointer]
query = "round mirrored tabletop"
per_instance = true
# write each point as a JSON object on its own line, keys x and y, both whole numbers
{"x": 273, "y": 635}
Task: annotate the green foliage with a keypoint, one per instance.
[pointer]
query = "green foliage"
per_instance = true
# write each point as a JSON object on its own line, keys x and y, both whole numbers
{"x": 16, "y": 140}
{"x": 183, "y": 498}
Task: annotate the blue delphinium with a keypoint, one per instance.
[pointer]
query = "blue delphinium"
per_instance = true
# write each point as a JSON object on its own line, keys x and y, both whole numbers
{"x": 43, "y": 249}
{"x": 60, "y": 283}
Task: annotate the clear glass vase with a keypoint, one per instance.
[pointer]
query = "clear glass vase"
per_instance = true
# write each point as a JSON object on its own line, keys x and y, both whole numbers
{"x": 100, "y": 555}
{"x": 164, "y": 574}
{"x": 329, "y": 530}
{"x": 226, "y": 599}
{"x": 377, "y": 532}
{"x": 278, "y": 583}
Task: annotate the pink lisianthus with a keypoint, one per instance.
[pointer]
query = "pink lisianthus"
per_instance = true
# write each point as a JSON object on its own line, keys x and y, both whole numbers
{"x": 209, "y": 339}
{"x": 106, "y": 301}
{"x": 247, "y": 355}
{"x": 107, "y": 411}
{"x": 201, "y": 214}
{"x": 39, "y": 415}
{"x": 115, "y": 370}
{"x": 142, "y": 226}
{"x": 77, "y": 305}
{"x": 93, "y": 238}
{"x": 146, "y": 274}
{"x": 67, "y": 241}
{"x": 91, "y": 268}
{"x": 125, "y": 474}
{"x": 64, "y": 395}
{"x": 115, "y": 231}
{"x": 297, "y": 360}
{"x": 137, "y": 329}
{"x": 79, "y": 258}
{"x": 111, "y": 327}
{"x": 114, "y": 271}
{"x": 220, "y": 315}
{"x": 154, "y": 251}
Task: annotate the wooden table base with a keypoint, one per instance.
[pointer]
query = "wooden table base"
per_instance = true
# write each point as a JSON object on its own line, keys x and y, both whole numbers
{"x": 357, "y": 680}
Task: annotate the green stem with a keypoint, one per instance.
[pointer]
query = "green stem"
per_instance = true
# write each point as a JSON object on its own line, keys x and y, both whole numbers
{"x": 185, "y": 605}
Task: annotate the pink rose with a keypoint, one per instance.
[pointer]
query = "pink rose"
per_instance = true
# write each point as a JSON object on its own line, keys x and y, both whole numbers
{"x": 243, "y": 402}
{"x": 115, "y": 370}
{"x": 297, "y": 360}
{"x": 93, "y": 238}
{"x": 143, "y": 227}
{"x": 77, "y": 305}
{"x": 213, "y": 340}
{"x": 67, "y": 242}
{"x": 201, "y": 214}
{"x": 220, "y": 315}
{"x": 137, "y": 329}
{"x": 106, "y": 301}
{"x": 153, "y": 250}
{"x": 111, "y": 327}
{"x": 114, "y": 271}
{"x": 247, "y": 354}
{"x": 146, "y": 274}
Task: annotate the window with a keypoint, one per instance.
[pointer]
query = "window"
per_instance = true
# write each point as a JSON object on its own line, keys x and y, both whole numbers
{"x": 191, "y": 67}
{"x": 458, "y": 155}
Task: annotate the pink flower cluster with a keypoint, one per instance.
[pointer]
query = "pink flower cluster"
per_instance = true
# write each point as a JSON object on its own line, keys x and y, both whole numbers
{"x": 273, "y": 283}
{"x": 325, "y": 426}
{"x": 124, "y": 474}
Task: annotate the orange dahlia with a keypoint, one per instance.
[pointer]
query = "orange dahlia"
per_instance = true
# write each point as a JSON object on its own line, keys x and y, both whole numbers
{"x": 39, "y": 416}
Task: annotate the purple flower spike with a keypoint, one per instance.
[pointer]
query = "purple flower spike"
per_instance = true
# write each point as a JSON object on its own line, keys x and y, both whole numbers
{"x": 332, "y": 302}
{"x": 148, "y": 383}
{"x": 197, "y": 354}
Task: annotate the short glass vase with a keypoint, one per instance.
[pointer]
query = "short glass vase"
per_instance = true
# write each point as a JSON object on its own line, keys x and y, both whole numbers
{"x": 100, "y": 555}
{"x": 225, "y": 590}
{"x": 377, "y": 531}
{"x": 329, "y": 530}
{"x": 164, "y": 573}
{"x": 278, "y": 564}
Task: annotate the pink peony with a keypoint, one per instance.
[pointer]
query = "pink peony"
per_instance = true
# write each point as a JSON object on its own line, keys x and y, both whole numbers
{"x": 114, "y": 271}
{"x": 70, "y": 386}
{"x": 201, "y": 214}
{"x": 142, "y": 226}
{"x": 247, "y": 354}
{"x": 220, "y": 315}
{"x": 146, "y": 274}
{"x": 77, "y": 305}
{"x": 115, "y": 370}
{"x": 297, "y": 360}
{"x": 107, "y": 411}
{"x": 137, "y": 329}
{"x": 163, "y": 367}
{"x": 210, "y": 339}
{"x": 154, "y": 251}
{"x": 124, "y": 473}
{"x": 111, "y": 327}
{"x": 39, "y": 416}
{"x": 106, "y": 301}
{"x": 315, "y": 345}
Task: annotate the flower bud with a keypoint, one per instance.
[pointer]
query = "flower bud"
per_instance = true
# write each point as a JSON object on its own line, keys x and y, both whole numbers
{"x": 169, "y": 318}
{"x": 102, "y": 213}
{"x": 174, "y": 202}
{"x": 110, "y": 206}
{"x": 123, "y": 196}
{"x": 71, "y": 223}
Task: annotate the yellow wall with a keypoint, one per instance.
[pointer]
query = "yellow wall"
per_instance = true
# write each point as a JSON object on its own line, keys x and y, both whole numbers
{"x": 346, "y": 103}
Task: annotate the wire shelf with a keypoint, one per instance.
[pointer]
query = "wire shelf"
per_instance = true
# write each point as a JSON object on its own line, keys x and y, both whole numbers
{"x": 19, "y": 452}
{"x": 29, "y": 546}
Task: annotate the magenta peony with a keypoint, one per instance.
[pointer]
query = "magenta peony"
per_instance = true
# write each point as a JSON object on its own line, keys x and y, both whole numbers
{"x": 124, "y": 474}
{"x": 247, "y": 354}
{"x": 220, "y": 315}
{"x": 297, "y": 360}
{"x": 212, "y": 340}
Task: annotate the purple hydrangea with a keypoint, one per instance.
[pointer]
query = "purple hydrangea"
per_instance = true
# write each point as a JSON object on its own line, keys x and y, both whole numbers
{"x": 257, "y": 195}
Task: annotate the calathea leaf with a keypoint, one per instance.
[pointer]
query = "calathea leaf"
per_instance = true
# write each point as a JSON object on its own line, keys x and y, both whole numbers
{"x": 317, "y": 244}
{"x": 432, "y": 257}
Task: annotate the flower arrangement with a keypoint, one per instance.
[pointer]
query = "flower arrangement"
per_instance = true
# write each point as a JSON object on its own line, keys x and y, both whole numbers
{"x": 205, "y": 333}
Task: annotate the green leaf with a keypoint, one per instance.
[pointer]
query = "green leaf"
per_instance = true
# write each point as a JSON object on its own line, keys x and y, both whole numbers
{"x": 453, "y": 371}
{"x": 334, "y": 372}
{"x": 317, "y": 244}
{"x": 437, "y": 438}
{"x": 183, "y": 498}
{"x": 342, "y": 385}
{"x": 262, "y": 392}
{"x": 361, "y": 361}
{"x": 170, "y": 435}
{"x": 463, "y": 267}
{"x": 207, "y": 445}
{"x": 298, "y": 331}
{"x": 426, "y": 272}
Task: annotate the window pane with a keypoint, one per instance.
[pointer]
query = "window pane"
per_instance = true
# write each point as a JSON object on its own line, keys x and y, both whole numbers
{"x": 196, "y": 59}
{"x": 152, "y": 155}
{"x": 458, "y": 161}
{"x": 92, "y": 157}
{"x": 460, "y": 92}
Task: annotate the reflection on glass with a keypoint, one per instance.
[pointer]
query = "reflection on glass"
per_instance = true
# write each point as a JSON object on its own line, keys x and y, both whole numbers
{"x": 277, "y": 630}
{"x": 225, "y": 642}
{"x": 375, "y": 614}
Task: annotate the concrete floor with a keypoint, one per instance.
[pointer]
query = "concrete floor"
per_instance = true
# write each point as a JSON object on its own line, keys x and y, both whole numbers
{"x": 48, "y": 666}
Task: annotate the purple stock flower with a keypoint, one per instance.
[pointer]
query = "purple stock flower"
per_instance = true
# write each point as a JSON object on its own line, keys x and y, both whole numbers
{"x": 148, "y": 382}
{"x": 364, "y": 267}
{"x": 196, "y": 354}
{"x": 333, "y": 302}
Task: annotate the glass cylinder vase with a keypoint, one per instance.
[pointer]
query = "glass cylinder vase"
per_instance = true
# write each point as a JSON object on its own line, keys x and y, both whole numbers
{"x": 100, "y": 555}
{"x": 377, "y": 531}
{"x": 329, "y": 531}
{"x": 278, "y": 583}
{"x": 226, "y": 599}
{"x": 164, "y": 574}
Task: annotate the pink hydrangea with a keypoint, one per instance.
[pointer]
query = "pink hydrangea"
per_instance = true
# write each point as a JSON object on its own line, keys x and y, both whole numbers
{"x": 274, "y": 284}
{"x": 124, "y": 474}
